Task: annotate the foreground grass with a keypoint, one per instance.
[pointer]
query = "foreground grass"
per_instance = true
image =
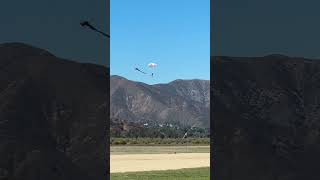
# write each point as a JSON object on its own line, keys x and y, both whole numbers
{"x": 182, "y": 174}
{"x": 158, "y": 149}
{"x": 160, "y": 141}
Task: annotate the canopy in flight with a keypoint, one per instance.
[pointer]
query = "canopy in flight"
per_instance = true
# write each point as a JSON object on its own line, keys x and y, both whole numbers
{"x": 137, "y": 69}
{"x": 152, "y": 65}
{"x": 87, "y": 24}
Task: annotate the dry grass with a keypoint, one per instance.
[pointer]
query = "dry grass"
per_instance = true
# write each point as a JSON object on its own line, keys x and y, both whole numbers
{"x": 152, "y": 162}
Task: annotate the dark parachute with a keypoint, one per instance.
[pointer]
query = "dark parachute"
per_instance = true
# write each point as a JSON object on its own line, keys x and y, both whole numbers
{"x": 87, "y": 24}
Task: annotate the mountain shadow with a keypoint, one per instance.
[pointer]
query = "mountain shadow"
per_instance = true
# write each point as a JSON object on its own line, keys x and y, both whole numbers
{"x": 265, "y": 116}
{"x": 53, "y": 116}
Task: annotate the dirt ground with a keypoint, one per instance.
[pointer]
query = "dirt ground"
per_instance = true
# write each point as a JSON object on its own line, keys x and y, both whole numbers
{"x": 152, "y": 162}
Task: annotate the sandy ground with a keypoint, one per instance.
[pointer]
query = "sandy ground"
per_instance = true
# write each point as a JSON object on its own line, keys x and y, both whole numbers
{"x": 151, "y": 162}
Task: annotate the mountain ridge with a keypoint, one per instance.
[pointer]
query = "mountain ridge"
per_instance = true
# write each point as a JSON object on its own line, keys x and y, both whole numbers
{"x": 53, "y": 116}
{"x": 176, "y": 80}
{"x": 266, "y": 117}
{"x": 162, "y": 102}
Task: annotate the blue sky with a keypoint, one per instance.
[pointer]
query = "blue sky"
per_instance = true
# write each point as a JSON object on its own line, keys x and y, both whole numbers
{"x": 259, "y": 28}
{"x": 175, "y": 34}
{"x": 54, "y": 26}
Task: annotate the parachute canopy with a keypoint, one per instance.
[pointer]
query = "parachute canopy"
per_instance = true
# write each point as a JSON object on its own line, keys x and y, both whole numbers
{"x": 152, "y": 65}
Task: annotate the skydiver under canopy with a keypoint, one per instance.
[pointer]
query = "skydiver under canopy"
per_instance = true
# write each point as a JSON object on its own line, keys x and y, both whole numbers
{"x": 152, "y": 66}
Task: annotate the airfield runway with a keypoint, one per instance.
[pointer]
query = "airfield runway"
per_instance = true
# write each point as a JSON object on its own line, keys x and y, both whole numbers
{"x": 154, "y": 162}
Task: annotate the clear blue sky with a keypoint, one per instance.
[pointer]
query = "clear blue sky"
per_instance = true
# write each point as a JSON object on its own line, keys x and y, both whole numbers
{"x": 175, "y": 34}
{"x": 262, "y": 27}
{"x": 54, "y": 26}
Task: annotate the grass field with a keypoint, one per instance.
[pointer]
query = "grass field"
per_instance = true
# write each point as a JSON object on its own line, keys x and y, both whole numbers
{"x": 152, "y": 161}
{"x": 158, "y": 149}
{"x": 157, "y": 162}
{"x": 182, "y": 174}
{"x": 160, "y": 141}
